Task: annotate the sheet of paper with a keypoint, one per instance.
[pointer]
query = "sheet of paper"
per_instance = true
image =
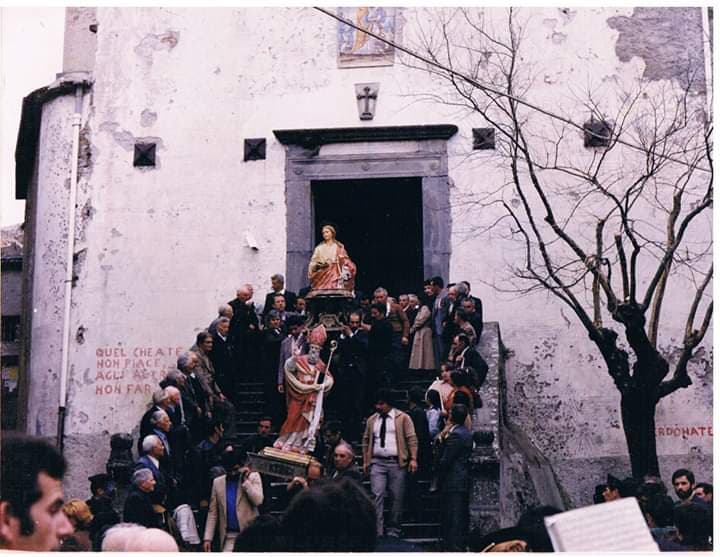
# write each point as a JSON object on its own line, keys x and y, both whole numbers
{"x": 615, "y": 526}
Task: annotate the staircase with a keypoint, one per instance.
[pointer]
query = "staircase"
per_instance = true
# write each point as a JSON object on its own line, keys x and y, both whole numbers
{"x": 421, "y": 528}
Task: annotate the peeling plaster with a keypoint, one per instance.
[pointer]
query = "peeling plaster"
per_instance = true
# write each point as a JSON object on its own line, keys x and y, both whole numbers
{"x": 668, "y": 40}
{"x": 148, "y": 118}
{"x": 86, "y": 215}
{"x": 80, "y": 335}
{"x": 127, "y": 140}
{"x": 567, "y": 15}
{"x": 559, "y": 38}
{"x": 85, "y": 153}
{"x": 78, "y": 264}
{"x": 122, "y": 137}
{"x": 152, "y": 43}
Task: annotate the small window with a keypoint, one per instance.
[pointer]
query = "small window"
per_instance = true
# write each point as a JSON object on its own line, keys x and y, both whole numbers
{"x": 483, "y": 138}
{"x": 10, "y": 328}
{"x": 597, "y": 133}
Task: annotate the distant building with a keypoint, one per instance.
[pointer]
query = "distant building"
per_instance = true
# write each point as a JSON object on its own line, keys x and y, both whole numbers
{"x": 11, "y": 259}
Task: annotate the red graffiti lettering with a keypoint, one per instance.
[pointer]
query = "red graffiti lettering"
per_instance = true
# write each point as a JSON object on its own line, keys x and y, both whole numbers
{"x": 141, "y": 368}
{"x": 108, "y": 363}
{"x": 684, "y": 431}
{"x": 108, "y": 389}
{"x": 110, "y": 352}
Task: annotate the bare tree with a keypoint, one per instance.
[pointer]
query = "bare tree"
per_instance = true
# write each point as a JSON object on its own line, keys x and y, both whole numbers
{"x": 606, "y": 228}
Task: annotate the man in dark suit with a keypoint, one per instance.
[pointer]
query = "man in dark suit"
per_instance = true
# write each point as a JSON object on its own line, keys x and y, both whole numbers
{"x": 161, "y": 401}
{"x": 294, "y": 343}
{"x": 478, "y": 307}
{"x": 100, "y": 504}
{"x": 469, "y": 306}
{"x": 396, "y": 316}
{"x": 221, "y": 357}
{"x": 194, "y": 401}
{"x": 449, "y": 326}
{"x": 202, "y": 458}
{"x": 344, "y": 463}
{"x": 263, "y": 437}
{"x": 416, "y": 411}
{"x": 277, "y": 283}
{"x": 468, "y": 358}
{"x": 380, "y": 346}
{"x": 272, "y": 338}
{"x": 434, "y": 288}
{"x": 139, "y": 503}
{"x": 352, "y": 382}
{"x": 453, "y": 473}
{"x": 301, "y": 307}
{"x": 153, "y": 459}
{"x": 244, "y": 331}
{"x": 279, "y": 306}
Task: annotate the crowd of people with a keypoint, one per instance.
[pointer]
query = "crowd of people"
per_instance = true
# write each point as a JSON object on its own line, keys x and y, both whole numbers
{"x": 681, "y": 525}
{"x": 186, "y": 436}
{"x": 191, "y": 485}
{"x": 323, "y": 514}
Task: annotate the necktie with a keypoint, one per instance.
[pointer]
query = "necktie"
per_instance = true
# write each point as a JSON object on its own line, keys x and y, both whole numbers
{"x": 383, "y": 430}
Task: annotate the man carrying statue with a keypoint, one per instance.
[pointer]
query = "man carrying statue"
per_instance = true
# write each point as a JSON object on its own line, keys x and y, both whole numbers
{"x": 306, "y": 382}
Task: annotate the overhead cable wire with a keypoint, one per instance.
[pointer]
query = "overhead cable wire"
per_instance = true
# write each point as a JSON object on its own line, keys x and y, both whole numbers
{"x": 492, "y": 90}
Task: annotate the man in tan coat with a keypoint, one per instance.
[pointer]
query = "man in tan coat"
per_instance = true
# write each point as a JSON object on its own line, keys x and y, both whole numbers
{"x": 389, "y": 453}
{"x": 241, "y": 490}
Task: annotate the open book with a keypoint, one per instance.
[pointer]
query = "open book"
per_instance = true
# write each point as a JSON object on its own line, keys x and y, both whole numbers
{"x": 615, "y": 526}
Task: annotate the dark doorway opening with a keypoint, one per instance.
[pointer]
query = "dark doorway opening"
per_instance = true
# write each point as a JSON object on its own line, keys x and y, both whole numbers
{"x": 380, "y": 223}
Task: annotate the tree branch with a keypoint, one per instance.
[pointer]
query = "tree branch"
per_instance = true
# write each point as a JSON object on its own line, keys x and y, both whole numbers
{"x": 623, "y": 266}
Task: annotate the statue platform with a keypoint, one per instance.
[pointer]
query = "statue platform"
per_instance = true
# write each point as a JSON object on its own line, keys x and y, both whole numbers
{"x": 329, "y": 307}
{"x": 280, "y": 464}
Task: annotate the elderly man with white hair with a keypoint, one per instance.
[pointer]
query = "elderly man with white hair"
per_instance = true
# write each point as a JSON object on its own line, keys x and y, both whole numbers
{"x": 152, "y": 540}
{"x": 344, "y": 459}
{"x": 244, "y": 331}
{"x": 153, "y": 459}
{"x": 139, "y": 503}
{"x": 160, "y": 401}
{"x": 225, "y": 310}
{"x": 175, "y": 409}
{"x": 117, "y": 537}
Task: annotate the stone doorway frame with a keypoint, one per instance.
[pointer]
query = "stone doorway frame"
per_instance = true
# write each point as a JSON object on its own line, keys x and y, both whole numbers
{"x": 366, "y": 153}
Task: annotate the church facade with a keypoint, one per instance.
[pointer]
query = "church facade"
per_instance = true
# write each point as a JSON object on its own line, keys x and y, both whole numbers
{"x": 206, "y": 147}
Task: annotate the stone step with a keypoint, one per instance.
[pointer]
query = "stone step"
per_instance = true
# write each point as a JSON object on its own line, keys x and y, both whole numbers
{"x": 420, "y": 529}
{"x": 246, "y": 426}
{"x": 250, "y": 394}
{"x": 256, "y": 411}
{"x": 426, "y": 544}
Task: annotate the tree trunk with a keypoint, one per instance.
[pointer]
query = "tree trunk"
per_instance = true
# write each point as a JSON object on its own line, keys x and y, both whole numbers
{"x": 638, "y": 417}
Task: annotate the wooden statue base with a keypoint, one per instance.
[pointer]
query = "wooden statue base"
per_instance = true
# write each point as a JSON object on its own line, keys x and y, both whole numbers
{"x": 329, "y": 308}
{"x": 281, "y": 464}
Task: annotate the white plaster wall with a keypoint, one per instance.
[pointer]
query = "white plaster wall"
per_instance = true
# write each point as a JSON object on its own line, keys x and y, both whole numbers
{"x": 558, "y": 387}
{"x": 164, "y": 246}
{"x": 49, "y": 256}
